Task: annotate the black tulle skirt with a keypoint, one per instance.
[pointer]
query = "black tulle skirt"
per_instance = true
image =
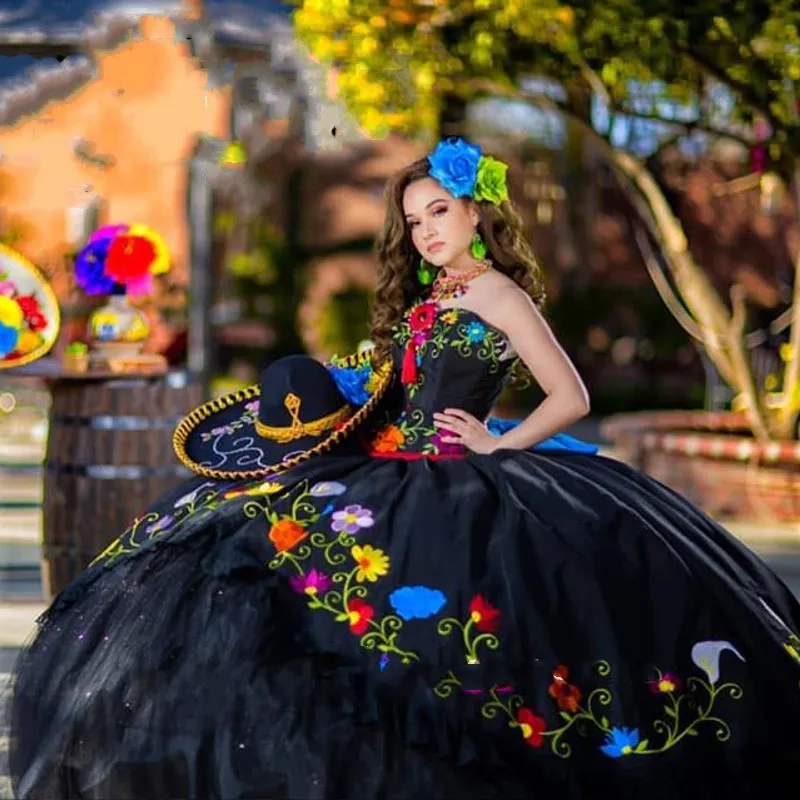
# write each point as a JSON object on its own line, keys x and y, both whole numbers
{"x": 520, "y": 625}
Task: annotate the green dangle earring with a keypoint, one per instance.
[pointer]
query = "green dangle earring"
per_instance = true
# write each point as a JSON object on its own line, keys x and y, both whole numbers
{"x": 477, "y": 247}
{"x": 425, "y": 272}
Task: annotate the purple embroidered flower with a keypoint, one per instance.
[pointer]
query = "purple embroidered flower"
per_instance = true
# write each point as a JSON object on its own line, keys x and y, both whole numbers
{"x": 160, "y": 525}
{"x": 383, "y": 661}
{"x": 328, "y": 489}
{"x": 313, "y": 583}
{"x": 253, "y": 405}
{"x": 446, "y": 448}
{"x": 352, "y": 519}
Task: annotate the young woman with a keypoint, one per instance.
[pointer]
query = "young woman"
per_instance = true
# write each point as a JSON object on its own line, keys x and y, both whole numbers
{"x": 460, "y": 610}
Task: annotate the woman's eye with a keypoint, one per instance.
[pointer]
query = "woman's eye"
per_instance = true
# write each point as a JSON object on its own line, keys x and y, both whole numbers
{"x": 440, "y": 211}
{"x": 413, "y": 224}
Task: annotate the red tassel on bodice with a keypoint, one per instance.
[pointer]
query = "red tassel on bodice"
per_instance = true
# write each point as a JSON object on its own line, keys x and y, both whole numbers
{"x": 409, "y": 371}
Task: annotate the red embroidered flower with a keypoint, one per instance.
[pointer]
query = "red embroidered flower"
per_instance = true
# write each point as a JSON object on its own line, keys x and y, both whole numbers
{"x": 388, "y": 440}
{"x": 531, "y": 726}
{"x": 485, "y": 616}
{"x": 422, "y": 318}
{"x": 286, "y": 534}
{"x": 29, "y": 304}
{"x": 567, "y": 696}
{"x": 359, "y": 614}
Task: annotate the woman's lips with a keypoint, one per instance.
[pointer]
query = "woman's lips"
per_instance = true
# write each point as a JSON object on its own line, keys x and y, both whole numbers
{"x": 435, "y": 247}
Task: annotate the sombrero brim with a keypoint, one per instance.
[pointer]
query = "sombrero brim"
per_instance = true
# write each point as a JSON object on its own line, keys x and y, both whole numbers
{"x": 225, "y": 410}
{"x": 28, "y": 280}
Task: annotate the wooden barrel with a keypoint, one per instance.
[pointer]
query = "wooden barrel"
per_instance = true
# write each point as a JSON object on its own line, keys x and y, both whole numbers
{"x": 109, "y": 456}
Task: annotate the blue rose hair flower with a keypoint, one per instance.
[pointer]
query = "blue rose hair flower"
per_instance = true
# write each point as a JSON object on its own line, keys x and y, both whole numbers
{"x": 454, "y": 164}
{"x": 352, "y": 382}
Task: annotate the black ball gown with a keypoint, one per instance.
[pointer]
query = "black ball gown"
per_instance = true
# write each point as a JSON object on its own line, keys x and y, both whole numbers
{"x": 415, "y": 621}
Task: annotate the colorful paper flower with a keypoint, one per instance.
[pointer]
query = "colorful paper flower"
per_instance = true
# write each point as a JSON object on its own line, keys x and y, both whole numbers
{"x": 454, "y": 164}
{"x": 620, "y": 742}
{"x": 372, "y": 562}
{"x": 490, "y": 184}
{"x": 417, "y": 602}
{"x": 129, "y": 258}
{"x": 11, "y": 313}
{"x": 7, "y": 288}
{"x": 314, "y": 583}
{"x": 8, "y": 339}
{"x": 566, "y": 695}
{"x": 286, "y": 534}
{"x": 352, "y": 519}
{"x": 532, "y": 727}
{"x": 161, "y": 261}
{"x": 90, "y": 265}
{"x": 485, "y": 616}
{"x": 359, "y": 614}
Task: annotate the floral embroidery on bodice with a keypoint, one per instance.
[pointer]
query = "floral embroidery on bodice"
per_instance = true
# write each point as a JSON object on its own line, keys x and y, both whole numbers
{"x": 459, "y": 360}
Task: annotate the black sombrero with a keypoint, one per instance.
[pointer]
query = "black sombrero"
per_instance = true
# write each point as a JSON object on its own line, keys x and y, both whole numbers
{"x": 297, "y": 411}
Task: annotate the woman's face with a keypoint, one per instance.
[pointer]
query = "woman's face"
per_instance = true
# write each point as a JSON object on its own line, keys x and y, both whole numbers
{"x": 441, "y": 226}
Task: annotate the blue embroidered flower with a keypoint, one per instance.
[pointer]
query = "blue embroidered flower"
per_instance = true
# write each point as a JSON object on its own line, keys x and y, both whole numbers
{"x": 416, "y": 602}
{"x": 454, "y": 164}
{"x": 352, "y": 382}
{"x": 476, "y": 332}
{"x": 8, "y": 339}
{"x": 621, "y": 742}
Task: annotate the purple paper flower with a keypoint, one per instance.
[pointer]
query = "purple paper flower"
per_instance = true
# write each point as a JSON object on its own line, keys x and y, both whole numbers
{"x": 90, "y": 269}
{"x": 313, "y": 583}
{"x": 108, "y": 232}
{"x": 352, "y": 519}
{"x": 454, "y": 164}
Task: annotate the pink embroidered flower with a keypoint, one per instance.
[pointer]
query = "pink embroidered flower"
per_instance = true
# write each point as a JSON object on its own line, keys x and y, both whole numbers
{"x": 446, "y": 448}
{"x": 7, "y": 289}
{"x": 666, "y": 684}
{"x": 314, "y": 583}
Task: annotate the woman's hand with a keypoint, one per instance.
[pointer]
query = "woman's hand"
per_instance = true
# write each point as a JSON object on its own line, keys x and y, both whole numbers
{"x": 466, "y": 429}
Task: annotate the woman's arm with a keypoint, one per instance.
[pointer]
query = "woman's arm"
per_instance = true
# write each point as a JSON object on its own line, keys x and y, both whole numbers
{"x": 567, "y": 399}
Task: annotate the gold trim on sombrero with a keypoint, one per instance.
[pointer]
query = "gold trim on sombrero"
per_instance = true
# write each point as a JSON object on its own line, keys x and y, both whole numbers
{"x": 298, "y": 429}
{"x": 383, "y": 376}
{"x": 53, "y": 321}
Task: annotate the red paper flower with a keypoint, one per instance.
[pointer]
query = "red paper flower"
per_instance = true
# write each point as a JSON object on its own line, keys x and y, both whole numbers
{"x": 422, "y": 318}
{"x": 29, "y": 304}
{"x": 129, "y": 259}
{"x": 531, "y": 726}
{"x": 567, "y": 696}
{"x": 359, "y": 614}
{"x": 485, "y": 616}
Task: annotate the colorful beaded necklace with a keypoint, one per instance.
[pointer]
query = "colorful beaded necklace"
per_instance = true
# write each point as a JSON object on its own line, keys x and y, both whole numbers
{"x": 447, "y": 287}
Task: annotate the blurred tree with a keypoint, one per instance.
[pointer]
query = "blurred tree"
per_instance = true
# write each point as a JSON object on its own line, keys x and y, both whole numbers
{"x": 721, "y": 70}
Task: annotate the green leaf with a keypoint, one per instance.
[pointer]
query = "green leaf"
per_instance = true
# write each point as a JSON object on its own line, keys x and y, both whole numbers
{"x": 642, "y": 745}
{"x": 670, "y": 711}
{"x": 604, "y": 723}
{"x": 341, "y": 617}
{"x": 566, "y": 716}
{"x": 692, "y": 731}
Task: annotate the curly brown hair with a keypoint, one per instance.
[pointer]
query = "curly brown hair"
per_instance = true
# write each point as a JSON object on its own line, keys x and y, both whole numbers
{"x": 500, "y": 226}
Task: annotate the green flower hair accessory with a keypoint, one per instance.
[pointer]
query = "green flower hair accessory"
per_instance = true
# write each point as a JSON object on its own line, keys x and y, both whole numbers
{"x": 491, "y": 184}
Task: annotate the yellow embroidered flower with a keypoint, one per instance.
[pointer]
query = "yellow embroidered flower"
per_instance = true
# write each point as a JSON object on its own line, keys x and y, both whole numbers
{"x": 372, "y": 563}
{"x": 792, "y": 651}
{"x": 771, "y": 382}
{"x": 450, "y": 317}
{"x": 786, "y": 351}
